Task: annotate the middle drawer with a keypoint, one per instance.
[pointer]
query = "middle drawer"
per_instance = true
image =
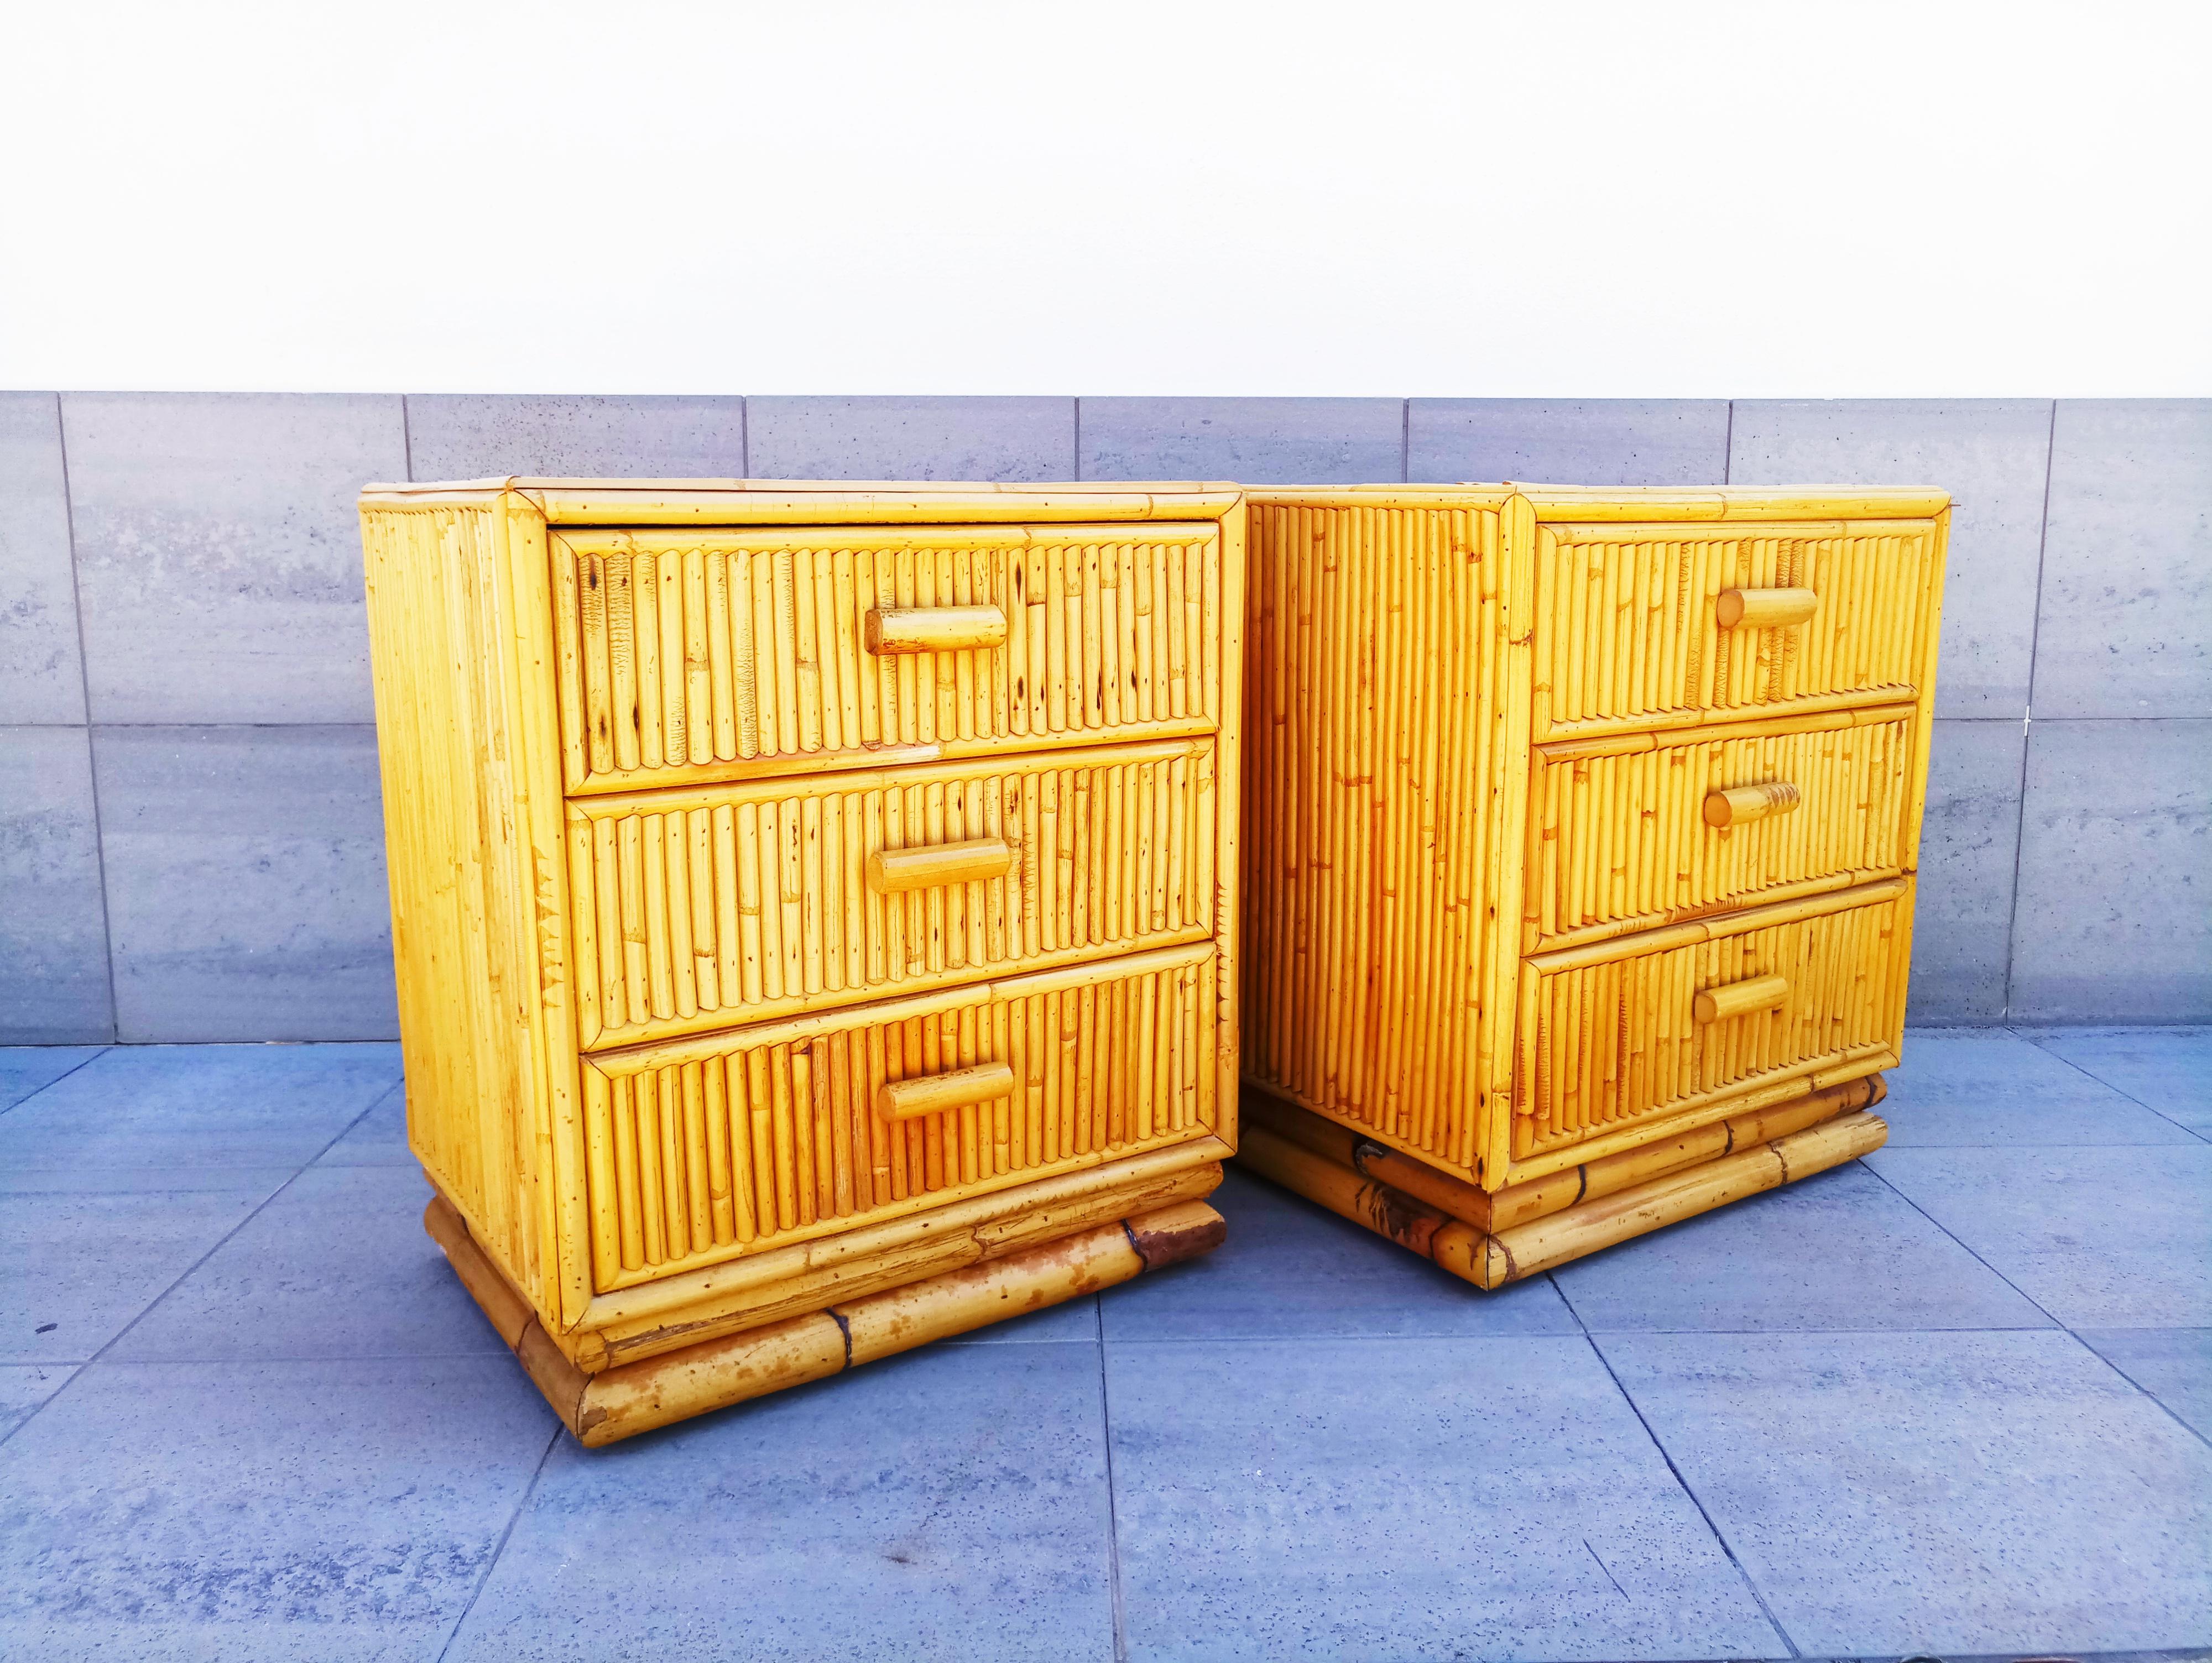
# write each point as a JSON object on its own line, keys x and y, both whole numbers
{"x": 1638, "y": 830}
{"x": 698, "y": 909}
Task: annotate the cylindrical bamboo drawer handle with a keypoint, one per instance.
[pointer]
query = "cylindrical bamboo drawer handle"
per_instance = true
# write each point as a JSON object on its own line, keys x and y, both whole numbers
{"x": 1739, "y": 804}
{"x": 891, "y": 870}
{"x": 1764, "y": 608}
{"x": 903, "y": 1100}
{"x": 934, "y": 628}
{"x": 1740, "y": 998}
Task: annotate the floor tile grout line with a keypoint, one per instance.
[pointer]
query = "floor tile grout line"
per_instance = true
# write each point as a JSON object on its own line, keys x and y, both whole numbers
{"x": 1884, "y": 1180}
{"x": 241, "y": 1359}
{"x": 216, "y": 1246}
{"x": 1681, "y": 1483}
{"x": 2204, "y": 1438}
{"x": 2100, "y": 1079}
{"x": 1113, "y": 1509}
{"x": 97, "y": 1054}
{"x": 1563, "y": 1333}
{"x": 500, "y": 1546}
{"x": 1696, "y": 1501}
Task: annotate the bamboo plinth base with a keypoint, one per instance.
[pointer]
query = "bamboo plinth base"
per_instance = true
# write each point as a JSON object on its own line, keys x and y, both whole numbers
{"x": 622, "y": 1401}
{"x": 1492, "y": 1239}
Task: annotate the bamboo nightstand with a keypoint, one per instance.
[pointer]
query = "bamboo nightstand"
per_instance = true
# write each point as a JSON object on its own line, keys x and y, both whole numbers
{"x": 1582, "y": 827}
{"x": 813, "y": 909}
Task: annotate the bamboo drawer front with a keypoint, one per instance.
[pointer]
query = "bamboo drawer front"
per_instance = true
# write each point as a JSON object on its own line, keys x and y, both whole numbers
{"x": 1582, "y": 820}
{"x": 696, "y": 908}
{"x": 1634, "y": 631}
{"x": 690, "y": 656}
{"x": 1646, "y": 829}
{"x": 778, "y": 1133}
{"x": 1614, "y": 1034}
{"x": 813, "y": 908}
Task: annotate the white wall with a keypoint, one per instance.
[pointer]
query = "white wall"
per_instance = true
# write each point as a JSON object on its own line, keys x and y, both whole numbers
{"x": 1532, "y": 199}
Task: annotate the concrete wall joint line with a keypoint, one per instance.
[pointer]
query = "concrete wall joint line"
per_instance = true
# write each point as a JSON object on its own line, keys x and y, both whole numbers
{"x": 92, "y": 756}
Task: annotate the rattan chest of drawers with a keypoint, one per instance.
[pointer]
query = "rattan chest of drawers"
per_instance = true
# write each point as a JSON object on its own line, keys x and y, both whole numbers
{"x": 1581, "y": 834}
{"x": 812, "y": 906}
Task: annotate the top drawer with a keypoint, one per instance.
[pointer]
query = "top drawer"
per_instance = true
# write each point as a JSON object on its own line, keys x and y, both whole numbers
{"x": 1634, "y": 625}
{"x": 691, "y": 655}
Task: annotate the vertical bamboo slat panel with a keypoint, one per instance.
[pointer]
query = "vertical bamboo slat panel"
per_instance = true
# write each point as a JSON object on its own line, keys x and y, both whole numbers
{"x": 687, "y": 940}
{"x": 697, "y": 655}
{"x": 727, "y": 1144}
{"x": 1625, "y": 844}
{"x": 1619, "y": 1039}
{"x": 1640, "y": 598}
{"x": 464, "y": 916}
{"x": 1380, "y": 681}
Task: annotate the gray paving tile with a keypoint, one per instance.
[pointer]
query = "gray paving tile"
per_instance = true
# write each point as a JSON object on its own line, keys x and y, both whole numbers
{"x": 1587, "y": 441}
{"x": 2118, "y": 1238}
{"x": 261, "y": 1511}
{"x": 53, "y": 940}
{"x": 245, "y": 883}
{"x": 2175, "y": 1365}
{"x": 2166, "y": 1068}
{"x": 218, "y": 552}
{"x": 41, "y": 678}
{"x": 1991, "y": 455}
{"x": 924, "y": 437}
{"x": 1984, "y": 1086}
{"x": 948, "y": 1503}
{"x": 2127, "y": 560}
{"x": 1253, "y": 441}
{"x": 1838, "y": 1250}
{"x": 1969, "y": 850}
{"x": 379, "y": 1138}
{"x": 486, "y": 436}
{"x": 1438, "y": 1498}
{"x": 2114, "y": 922}
{"x": 1938, "y": 1493}
{"x": 77, "y": 1266}
{"x": 27, "y": 1069}
{"x": 169, "y": 1107}
{"x": 1290, "y": 1271}
{"x": 337, "y": 1265}
{"x": 24, "y": 1387}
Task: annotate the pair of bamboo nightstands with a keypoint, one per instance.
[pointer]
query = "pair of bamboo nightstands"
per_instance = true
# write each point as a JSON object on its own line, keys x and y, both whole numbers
{"x": 823, "y": 923}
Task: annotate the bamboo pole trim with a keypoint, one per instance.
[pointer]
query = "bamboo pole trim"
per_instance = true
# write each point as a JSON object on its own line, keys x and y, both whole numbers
{"x": 1490, "y": 1259}
{"x": 1720, "y": 927}
{"x": 621, "y": 1402}
{"x": 1763, "y": 727}
{"x": 1538, "y": 1198}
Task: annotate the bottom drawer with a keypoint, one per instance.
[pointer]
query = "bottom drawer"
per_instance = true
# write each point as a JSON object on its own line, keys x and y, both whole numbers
{"x": 704, "y": 1150}
{"x": 1654, "y": 1027}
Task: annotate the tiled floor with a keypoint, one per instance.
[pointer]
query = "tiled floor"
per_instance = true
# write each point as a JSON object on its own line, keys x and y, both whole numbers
{"x": 1954, "y": 1399}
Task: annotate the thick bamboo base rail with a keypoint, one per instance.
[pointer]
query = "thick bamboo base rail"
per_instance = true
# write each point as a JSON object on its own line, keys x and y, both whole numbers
{"x": 621, "y": 1402}
{"x": 1493, "y": 1239}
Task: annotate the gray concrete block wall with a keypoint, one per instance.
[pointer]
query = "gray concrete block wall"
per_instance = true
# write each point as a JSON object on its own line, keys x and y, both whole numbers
{"x": 191, "y": 827}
